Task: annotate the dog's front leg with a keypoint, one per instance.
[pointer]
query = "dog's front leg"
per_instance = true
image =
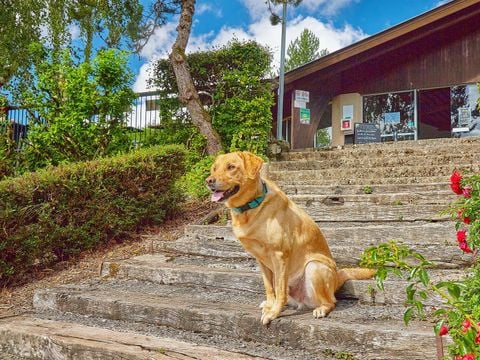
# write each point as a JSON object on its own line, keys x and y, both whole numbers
{"x": 281, "y": 288}
{"x": 267, "y": 277}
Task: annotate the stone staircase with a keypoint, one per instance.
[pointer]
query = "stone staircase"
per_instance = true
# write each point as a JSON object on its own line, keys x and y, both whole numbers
{"x": 197, "y": 297}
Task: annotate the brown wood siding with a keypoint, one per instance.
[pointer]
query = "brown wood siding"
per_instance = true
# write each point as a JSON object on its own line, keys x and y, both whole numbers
{"x": 447, "y": 58}
{"x": 439, "y": 55}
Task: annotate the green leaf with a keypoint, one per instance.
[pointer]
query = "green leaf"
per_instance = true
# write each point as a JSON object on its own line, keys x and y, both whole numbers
{"x": 407, "y": 316}
{"x": 453, "y": 290}
{"x": 439, "y": 312}
{"x": 410, "y": 292}
{"x": 423, "y": 275}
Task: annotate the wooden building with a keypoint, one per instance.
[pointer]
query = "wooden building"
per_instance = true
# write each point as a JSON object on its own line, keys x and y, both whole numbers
{"x": 416, "y": 80}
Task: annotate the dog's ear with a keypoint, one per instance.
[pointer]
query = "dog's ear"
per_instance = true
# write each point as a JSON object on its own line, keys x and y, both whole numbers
{"x": 252, "y": 163}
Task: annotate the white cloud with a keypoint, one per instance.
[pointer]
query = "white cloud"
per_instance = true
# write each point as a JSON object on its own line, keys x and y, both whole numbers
{"x": 258, "y": 9}
{"x": 208, "y": 8}
{"x": 261, "y": 31}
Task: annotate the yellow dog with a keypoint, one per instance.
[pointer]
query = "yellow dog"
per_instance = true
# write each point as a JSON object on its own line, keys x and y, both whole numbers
{"x": 291, "y": 251}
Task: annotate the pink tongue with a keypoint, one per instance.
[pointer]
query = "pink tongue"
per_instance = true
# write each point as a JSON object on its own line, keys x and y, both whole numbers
{"x": 217, "y": 196}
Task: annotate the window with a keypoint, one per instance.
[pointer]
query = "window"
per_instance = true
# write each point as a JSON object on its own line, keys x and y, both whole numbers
{"x": 464, "y": 110}
{"x": 393, "y": 114}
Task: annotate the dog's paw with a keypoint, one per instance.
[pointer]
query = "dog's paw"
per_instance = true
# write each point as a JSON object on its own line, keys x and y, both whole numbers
{"x": 265, "y": 306}
{"x": 319, "y": 313}
{"x": 322, "y": 311}
{"x": 268, "y": 316}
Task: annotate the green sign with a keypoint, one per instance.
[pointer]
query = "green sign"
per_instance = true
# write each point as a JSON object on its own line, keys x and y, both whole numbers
{"x": 305, "y": 116}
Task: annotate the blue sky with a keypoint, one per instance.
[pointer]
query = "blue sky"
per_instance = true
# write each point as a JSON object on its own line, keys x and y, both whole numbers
{"x": 337, "y": 23}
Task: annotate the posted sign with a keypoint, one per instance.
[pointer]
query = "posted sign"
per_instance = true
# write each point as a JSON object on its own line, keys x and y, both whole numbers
{"x": 305, "y": 116}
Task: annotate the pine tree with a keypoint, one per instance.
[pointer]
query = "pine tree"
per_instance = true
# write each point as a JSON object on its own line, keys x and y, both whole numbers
{"x": 303, "y": 49}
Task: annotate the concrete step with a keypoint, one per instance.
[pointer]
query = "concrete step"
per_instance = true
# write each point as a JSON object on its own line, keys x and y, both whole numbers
{"x": 364, "y": 180}
{"x": 353, "y": 160}
{"x": 444, "y": 254}
{"x": 40, "y": 339}
{"x": 366, "y": 213}
{"x": 329, "y": 190}
{"x": 339, "y": 175}
{"x": 159, "y": 269}
{"x": 351, "y": 232}
{"x": 370, "y": 332}
{"x": 400, "y": 198}
{"x": 398, "y": 149}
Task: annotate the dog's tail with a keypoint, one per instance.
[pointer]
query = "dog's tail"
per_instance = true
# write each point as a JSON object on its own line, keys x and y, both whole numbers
{"x": 353, "y": 274}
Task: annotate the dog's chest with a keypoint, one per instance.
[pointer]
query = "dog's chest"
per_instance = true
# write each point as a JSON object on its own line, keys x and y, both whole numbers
{"x": 251, "y": 241}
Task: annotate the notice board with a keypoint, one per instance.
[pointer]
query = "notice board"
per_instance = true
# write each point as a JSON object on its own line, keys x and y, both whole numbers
{"x": 366, "y": 133}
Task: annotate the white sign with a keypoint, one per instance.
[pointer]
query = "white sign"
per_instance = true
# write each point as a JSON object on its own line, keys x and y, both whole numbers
{"x": 347, "y": 112}
{"x": 302, "y": 95}
{"x": 300, "y": 104}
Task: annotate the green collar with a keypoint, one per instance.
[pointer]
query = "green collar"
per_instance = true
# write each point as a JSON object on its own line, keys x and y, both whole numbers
{"x": 254, "y": 203}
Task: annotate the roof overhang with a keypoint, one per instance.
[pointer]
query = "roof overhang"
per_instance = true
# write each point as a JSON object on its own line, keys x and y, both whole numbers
{"x": 431, "y": 21}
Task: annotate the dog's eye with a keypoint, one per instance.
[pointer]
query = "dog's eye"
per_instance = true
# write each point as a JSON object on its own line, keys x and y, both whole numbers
{"x": 230, "y": 167}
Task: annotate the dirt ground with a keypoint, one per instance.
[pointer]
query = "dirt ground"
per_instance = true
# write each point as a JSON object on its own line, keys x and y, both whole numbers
{"x": 18, "y": 299}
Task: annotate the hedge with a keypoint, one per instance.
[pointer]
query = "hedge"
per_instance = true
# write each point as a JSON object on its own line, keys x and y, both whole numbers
{"x": 53, "y": 214}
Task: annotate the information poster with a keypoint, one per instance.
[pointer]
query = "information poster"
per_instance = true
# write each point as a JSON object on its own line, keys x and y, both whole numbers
{"x": 305, "y": 116}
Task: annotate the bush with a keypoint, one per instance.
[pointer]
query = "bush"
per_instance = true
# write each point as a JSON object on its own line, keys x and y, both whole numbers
{"x": 459, "y": 314}
{"x": 53, "y": 214}
{"x": 77, "y": 111}
{"x": 194, "y": 180}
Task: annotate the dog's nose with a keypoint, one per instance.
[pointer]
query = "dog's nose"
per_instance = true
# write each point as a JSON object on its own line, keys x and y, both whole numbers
{"x": 210, "y": 182}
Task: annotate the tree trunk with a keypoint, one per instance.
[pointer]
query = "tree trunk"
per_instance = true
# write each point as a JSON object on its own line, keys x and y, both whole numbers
{"x": 187, "y": 93}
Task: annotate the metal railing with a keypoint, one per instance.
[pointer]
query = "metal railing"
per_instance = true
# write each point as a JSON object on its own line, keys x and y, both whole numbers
{"x": 141, "y": 121}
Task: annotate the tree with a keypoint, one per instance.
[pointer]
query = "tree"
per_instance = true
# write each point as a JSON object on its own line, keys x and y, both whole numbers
{"x": 304, "y": 49}
{"x": 232, "y": 87}
{"x": 187, "y": 92}
{"x": 19, "y": 26}
{"x": 78, "y": 109}
{"x": 121, "y": 24}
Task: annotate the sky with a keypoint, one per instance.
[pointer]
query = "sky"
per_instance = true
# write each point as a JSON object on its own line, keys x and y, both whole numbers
{"x": 337, "y": 23}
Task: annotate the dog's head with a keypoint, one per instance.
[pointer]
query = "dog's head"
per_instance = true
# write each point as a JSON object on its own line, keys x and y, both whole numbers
{"x": 234, "y": 175}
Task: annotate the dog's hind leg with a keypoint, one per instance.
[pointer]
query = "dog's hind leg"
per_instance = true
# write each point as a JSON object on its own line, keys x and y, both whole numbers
{"x": 320, "y": 286}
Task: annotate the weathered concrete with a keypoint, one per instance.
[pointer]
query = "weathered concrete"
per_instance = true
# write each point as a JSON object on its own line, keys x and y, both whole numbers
{"x": 365, "y": 179}
{"x": 398, "y": 149}
{"x": 360, "y": 233}
{"x": 159, "y": 269}
{"x": 374, "y": 161}
{"x": 331, "y": 190}
{"x": 346, "y": 254}
{"x": 397, "y": 173}
{"x": 372, "y": 335}
{"x": 32, "y": 338}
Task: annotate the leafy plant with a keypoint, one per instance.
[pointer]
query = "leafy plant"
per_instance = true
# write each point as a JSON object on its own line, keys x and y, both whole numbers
{"x": 78, "y": 110}
{"x": 459, "y": 314}
{"x": 231, "y": 83}
{"x": 52, "y": 214}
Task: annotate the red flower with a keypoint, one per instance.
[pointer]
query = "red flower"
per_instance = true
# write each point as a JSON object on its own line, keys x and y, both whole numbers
{"x": 466, "y": 325}
{"x": 443, "y": 331}
{"x": 458, "y": 357}
{"x": 455, "y": 183}
{"x": 461, "y": 236}
{"x": 466, "y": 192}
{"x": 464, "y": 247}
{"x": 465, "y": 219}
{"x": 468, "y": 357}
{"x": 477, "y": 338}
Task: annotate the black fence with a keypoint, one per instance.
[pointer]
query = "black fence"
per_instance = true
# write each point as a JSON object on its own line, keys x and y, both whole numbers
{"x": 141, "y": 121}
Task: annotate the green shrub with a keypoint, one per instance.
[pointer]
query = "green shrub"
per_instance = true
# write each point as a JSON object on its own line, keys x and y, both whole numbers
{"x": 53, "y": 214}
{"x": 194, "y": 180}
